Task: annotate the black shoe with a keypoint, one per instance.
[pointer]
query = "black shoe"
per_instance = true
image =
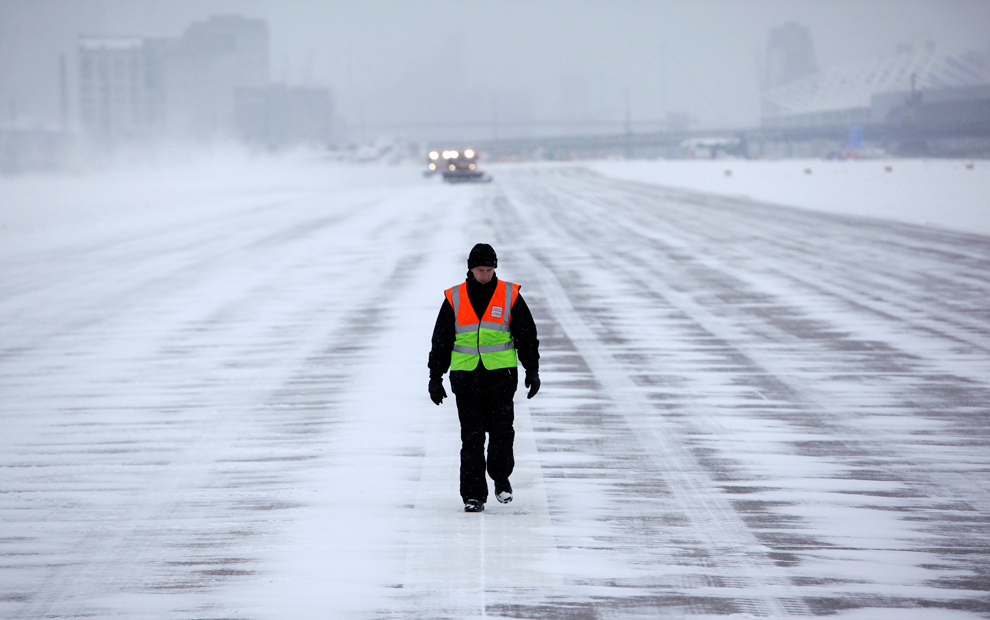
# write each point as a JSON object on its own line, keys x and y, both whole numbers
{"x": 503, "y": 492}
{"x": 473, "y": 505}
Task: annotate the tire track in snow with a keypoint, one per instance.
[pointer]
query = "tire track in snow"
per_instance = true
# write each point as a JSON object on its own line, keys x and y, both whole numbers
{"x": 152, "y": 538}
{"x": 144, "y": 265}
{"x": 587, "y": 235}
{"x": 738, "y": 555}
{"x": 940, "y": 332}
{"x": 873, "y": 276}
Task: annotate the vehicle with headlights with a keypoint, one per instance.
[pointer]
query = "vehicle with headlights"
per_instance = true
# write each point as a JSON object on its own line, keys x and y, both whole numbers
{"x": 457, "y": 166}
{"x": 433, "y": 164}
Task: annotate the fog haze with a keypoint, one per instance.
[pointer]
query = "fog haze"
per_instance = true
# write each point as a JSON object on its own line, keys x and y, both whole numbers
{"x": 572, "y": 65}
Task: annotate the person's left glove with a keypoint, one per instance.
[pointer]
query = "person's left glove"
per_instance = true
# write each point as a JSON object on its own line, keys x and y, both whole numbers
{"x": 437, "y": 393}
{"x": 532, "y": 382}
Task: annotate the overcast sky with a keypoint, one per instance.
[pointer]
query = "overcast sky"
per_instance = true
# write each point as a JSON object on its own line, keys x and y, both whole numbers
{"x": 554, "y": 60}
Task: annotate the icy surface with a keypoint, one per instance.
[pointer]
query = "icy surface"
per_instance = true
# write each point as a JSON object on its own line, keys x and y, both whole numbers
{"x": 213, "y": 400}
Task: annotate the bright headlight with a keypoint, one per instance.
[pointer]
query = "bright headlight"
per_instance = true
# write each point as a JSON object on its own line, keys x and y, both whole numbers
{"x": 434, "y": 155}
{"x": 469, "y": 153}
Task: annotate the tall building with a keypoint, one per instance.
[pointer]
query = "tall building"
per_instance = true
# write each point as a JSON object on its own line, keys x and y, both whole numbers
{"x": 214, "y": 59}
{"x": 178, "y": 87}
{"x": 790, "y": 54}
{"x": 114, "y": 100}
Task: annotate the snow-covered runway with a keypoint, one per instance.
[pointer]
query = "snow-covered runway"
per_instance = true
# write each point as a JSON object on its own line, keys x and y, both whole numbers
{"x": 213, "y": 403}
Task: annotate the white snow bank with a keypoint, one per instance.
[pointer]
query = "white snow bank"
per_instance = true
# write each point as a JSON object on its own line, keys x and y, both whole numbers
{"x": 952, "y": 194}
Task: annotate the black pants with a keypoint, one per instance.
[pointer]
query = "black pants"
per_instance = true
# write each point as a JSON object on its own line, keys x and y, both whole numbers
{"x": 480, "y": 413}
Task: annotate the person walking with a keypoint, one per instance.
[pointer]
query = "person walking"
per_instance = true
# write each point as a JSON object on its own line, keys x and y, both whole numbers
{"x": 484, "y": 328}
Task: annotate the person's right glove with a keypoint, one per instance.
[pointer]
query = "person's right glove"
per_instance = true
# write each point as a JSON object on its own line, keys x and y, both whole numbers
{"x": 532, "y": 382}
{"x": 437, "y": 393}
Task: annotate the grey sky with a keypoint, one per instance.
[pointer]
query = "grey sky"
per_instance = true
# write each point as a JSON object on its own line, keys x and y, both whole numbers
{"x": 415, "y": 61}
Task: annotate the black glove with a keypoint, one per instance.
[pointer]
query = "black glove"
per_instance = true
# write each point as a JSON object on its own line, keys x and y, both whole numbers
{"x": 437, "y": 393}
{"x": 533, "y": 383}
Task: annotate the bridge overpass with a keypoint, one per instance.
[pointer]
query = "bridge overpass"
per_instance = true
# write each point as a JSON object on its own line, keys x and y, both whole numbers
{"x": 916, "y": 135}
{"x": 951, "y": 121}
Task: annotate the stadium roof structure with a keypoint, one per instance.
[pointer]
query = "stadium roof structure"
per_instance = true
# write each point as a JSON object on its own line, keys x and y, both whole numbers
{"x": 853, "y": 86}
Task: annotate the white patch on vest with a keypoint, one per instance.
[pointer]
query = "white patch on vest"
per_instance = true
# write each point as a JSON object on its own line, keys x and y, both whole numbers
{"x": 497, "y": 311}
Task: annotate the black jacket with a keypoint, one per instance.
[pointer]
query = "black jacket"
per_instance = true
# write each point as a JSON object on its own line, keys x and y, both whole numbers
{"x": 481, "y": 379}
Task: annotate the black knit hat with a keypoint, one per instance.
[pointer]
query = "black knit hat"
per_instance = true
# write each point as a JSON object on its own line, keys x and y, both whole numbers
{"x": 482, "y": 255}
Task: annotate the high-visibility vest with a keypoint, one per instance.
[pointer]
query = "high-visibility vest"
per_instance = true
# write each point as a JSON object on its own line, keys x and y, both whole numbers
{"x": 488, "y": 339}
